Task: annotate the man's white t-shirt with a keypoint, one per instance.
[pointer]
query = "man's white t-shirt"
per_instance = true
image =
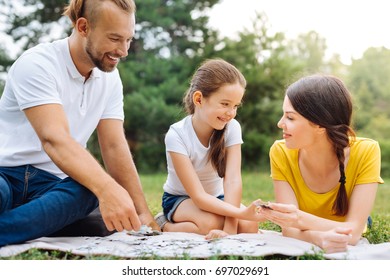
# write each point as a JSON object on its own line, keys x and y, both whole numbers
{"x": 181, "y": 138}
{"x": 46, "y": 74}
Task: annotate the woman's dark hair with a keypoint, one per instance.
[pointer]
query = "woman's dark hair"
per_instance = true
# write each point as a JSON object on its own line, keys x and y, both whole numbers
{"x": 208, "y": 78}
{"x": 324, "y": 100}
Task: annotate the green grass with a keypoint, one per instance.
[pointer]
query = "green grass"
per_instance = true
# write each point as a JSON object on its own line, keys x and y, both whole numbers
{"x": 255, "y": 185}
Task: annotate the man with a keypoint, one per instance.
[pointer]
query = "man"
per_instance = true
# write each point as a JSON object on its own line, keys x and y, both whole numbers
{"x": 55, "y": 96}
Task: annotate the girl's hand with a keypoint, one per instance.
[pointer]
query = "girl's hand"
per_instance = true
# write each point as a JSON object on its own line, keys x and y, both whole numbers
{"x": 284, "y": 215}
{"x": 335, "y": 240}
{"x": 215, "y": 234}
{"x": 252, "y": 212}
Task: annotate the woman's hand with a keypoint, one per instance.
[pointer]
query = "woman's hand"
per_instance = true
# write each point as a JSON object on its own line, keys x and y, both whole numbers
{"x": 335, "y": 240}
{"x": 288, "y": 215}
{"x": 215, "y": 234}
{"x": 284, "y": 215}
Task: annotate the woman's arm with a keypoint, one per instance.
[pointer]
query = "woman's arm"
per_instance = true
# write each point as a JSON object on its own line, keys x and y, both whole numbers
{"x": 360, "y": 206}
{"x": 298, "y": 224}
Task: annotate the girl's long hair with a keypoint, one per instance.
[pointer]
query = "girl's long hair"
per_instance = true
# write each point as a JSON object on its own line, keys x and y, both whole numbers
{"x": 324, "y": 100}
{"x": 208, "y": 78}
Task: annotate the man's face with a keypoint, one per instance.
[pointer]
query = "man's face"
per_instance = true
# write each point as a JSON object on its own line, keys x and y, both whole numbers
{"x": 110, "y": 38}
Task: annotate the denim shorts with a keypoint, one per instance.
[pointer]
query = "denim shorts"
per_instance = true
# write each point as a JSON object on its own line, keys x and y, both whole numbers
{"x": 170, "y": 203}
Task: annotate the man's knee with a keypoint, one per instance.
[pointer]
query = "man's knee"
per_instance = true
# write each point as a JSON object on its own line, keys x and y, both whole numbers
{"x": 5, "y": 195}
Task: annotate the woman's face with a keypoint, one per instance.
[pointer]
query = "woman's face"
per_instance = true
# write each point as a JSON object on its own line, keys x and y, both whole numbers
{"x": 298, "y": 132}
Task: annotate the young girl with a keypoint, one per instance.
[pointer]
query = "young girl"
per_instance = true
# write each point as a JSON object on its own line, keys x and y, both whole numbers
{"x": 203, "y": 190}
{"x": 325, "y": 178}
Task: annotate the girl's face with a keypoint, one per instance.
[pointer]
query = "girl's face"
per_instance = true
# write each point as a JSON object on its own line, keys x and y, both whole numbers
{"x": 298, "y": 132}
{"x": 221, "y": 106}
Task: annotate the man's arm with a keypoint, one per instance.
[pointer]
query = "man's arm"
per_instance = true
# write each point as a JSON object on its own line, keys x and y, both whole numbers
{"x": 120, "y": 165}
{"x": 51, "y": 126}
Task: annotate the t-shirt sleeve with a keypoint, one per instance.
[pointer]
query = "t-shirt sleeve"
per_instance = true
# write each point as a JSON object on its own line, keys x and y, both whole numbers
{"x": 233, "y": 133}
{"x": 370, "y": 163}
{"x": 114, "y": 105}
{"x": 33, "y": 82}
{"x": 175, "y": 143}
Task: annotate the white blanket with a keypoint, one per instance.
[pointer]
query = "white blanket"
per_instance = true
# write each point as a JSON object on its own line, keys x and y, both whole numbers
{"x": 181, "y": 245}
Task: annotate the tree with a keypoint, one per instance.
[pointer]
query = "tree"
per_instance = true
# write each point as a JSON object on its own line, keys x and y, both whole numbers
{"x": 171, "y": 39}
{"x": 370, "y": 87}
{"x": 309, "y": 49}
{"x": 263, "y": 58}
{"x": 369, "y": 83}
{"x": 32, "y": 21}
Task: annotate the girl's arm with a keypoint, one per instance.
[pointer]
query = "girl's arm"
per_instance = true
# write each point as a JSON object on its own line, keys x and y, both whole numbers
{"x": 232, "y": 185}
{"x": 188, "y": 177}
{"x": 298, "y": 224}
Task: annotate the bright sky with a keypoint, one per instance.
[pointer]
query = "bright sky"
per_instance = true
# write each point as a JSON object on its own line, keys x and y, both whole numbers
{"x": 349, "y": 26}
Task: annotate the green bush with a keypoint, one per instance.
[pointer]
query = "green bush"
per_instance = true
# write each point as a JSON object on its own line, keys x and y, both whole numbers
{"x": 385, "y": 153}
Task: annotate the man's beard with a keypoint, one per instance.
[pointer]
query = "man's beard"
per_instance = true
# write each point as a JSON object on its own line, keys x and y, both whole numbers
{"x": 99, "y": 63}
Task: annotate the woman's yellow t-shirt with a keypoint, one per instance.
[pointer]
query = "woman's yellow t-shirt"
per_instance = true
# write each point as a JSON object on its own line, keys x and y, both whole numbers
{"x": 363, "y": 167}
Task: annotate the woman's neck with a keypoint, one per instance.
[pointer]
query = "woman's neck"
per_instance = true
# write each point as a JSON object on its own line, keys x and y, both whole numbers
{"x": 319, "y": 167}
{"x": 318, "y": 160}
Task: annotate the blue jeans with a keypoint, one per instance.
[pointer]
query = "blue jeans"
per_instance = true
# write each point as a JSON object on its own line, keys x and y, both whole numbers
{"x": 35, "y": 203}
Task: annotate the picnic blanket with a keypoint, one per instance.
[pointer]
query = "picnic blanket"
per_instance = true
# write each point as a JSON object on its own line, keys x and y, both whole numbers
{"x": 180, "y": 245}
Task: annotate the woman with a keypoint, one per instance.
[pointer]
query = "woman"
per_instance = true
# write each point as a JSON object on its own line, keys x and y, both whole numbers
{"x": 325, "y": 178}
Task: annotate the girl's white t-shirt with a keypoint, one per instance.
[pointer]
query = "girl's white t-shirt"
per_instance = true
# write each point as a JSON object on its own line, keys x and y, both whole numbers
{"x": 46, "y": 74}
{"x": 181, "y": 138}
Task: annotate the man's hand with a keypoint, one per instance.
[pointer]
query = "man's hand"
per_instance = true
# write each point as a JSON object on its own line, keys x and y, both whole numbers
{"x": 147, "y": 219}
{"x": 118, "y": 211}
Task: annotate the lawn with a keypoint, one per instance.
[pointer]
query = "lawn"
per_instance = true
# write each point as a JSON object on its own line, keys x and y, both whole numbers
{"x": 255, "y": 185}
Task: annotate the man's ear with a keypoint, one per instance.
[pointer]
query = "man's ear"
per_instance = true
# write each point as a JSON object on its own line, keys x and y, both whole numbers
{"x": 197, "y": 98}
{"x": 82, "y": 26}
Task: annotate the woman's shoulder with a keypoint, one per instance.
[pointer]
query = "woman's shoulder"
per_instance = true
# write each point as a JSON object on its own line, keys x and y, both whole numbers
{"x": 361, "y": 146}
{"x": 280, "y": 142}
{"x": 363, "y": 142}
{"x": 279, "y": 148}
{"x": 279, "y": 145}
